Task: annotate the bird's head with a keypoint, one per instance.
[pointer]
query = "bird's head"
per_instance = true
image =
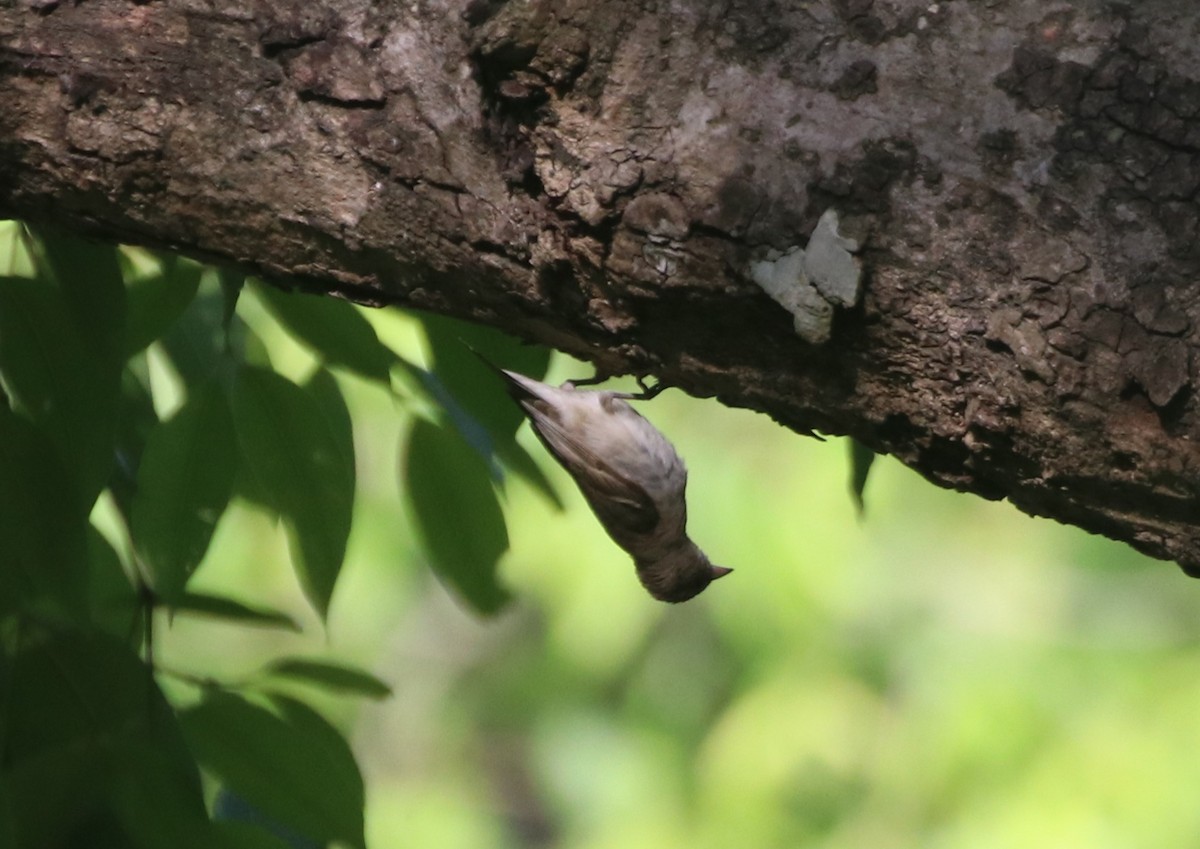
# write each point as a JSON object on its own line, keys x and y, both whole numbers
{"x": 679, "y": 575}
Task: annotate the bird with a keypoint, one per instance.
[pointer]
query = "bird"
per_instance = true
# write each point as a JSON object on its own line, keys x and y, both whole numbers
{"x": 629, "y": 473}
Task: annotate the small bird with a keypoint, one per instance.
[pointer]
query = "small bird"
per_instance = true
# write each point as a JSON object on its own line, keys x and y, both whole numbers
{"x": 631, "y": 476}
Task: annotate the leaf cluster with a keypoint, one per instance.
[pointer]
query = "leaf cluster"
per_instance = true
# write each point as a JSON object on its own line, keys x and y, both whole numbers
{"x": 132, "y": 384}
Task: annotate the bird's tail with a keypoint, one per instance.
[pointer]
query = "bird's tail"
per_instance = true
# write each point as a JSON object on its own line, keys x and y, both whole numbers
{"x": 520, "y": 387}
{"x": 523, "y": 388}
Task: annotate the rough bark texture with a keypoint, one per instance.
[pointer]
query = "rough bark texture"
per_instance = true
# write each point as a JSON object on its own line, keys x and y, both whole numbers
{"x": 598, "y": 175}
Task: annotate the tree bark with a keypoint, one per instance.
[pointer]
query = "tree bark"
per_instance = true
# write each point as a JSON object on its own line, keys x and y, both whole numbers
{"x": 602, "y": 176}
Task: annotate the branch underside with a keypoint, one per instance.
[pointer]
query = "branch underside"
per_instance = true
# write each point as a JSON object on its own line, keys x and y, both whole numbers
{"x": 601, "y": 178}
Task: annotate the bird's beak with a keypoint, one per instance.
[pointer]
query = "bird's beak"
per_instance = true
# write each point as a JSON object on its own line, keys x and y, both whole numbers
{"x": 720, "y": 572}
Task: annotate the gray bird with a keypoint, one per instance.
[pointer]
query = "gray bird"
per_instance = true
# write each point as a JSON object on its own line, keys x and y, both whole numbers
{"x": 631, "y": 476}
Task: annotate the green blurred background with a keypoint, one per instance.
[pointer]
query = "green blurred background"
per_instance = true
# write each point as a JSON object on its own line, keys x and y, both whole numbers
{"x": 944, "y": 672}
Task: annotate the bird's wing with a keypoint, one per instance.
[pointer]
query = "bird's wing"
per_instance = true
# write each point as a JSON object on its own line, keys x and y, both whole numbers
{"x": 622, "y": 505}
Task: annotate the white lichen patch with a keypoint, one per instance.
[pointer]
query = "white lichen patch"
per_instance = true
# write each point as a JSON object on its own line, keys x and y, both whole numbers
{"x": 809, "y": 282}
{"x": 830, "y": 263}
{"x": 784, "y": 280}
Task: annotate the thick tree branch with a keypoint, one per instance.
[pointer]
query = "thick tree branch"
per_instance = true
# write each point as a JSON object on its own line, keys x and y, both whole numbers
{"x": 600, "y": 176}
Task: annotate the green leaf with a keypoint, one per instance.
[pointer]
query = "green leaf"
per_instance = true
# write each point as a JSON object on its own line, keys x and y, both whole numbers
{"x": 183, "y": 485}
{"x": 206, "y": 604}
{"x": 83, "y": 688}
{"x": 450, "y": 495}
{"x": 340, "y": 774}
{"x": 331, "y": 676}
{"x": 293, "y": 766}
{"x": 518, "y": 460}
{"x": 333, "y": 329}
{"x": 88, "y": 273}
{"x": 208, "y": 339}
{"x": 54, "y": 791}
{"x": 57, "y": 378}
{"x": 457, "y": 347}
{"x": 232, "y": 809}
{"x": 474, "y": 396}
{"x": 8, "y": 821}
{"x": 157, "y": 300}
{"x": 471, "y": 429}
{"x": 136, "y": 420}
{"x": 861, "y": 458}
{"x": 86, "y": 708}
{"x": 240, "y": 835}
{"x": 323, "y": 388}
{"x": 43, "y": 525}
{"x": 113, "y": 598}
{"x": 156, "y": 801}
{"x": 231, "y": 282}
{"x": 297, "y": 456}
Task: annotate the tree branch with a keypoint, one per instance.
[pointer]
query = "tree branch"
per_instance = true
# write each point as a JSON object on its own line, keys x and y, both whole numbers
{"x": 602, "y": 176}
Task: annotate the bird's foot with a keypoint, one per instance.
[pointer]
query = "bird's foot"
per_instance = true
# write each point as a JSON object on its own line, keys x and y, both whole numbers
{"x": 647, "y": 392}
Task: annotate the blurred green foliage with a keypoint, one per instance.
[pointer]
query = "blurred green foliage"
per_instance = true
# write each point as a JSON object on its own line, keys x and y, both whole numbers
{"x": 140, "y": 409}
{"x": 945, "y": 672}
